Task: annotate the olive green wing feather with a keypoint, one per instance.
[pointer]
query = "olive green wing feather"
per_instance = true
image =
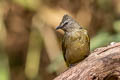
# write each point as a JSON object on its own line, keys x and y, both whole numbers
{"x": 64, "y": 49}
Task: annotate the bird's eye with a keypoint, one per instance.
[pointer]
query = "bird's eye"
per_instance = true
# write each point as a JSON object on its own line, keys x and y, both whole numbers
{"x": 65, "y": 23}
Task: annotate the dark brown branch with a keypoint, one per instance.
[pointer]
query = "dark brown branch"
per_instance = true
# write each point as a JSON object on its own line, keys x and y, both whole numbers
{"x": 102, "y": 64}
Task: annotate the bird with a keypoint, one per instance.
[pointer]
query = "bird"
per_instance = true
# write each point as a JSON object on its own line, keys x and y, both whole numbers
{"x": 75, "y": 42}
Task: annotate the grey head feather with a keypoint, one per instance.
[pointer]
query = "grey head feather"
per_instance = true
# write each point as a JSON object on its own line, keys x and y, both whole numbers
{"x": 68, "y": 24}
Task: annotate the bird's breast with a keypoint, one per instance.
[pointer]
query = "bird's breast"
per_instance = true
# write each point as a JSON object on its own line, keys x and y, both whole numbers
{"x": 77, "y": 46}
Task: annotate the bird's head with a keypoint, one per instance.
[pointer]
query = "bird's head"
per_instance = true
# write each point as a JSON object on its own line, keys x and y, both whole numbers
{"x": 68, "y": 24}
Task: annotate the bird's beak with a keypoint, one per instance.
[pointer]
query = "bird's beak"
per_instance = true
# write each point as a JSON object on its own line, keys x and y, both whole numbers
{"x": 58, "y": 27}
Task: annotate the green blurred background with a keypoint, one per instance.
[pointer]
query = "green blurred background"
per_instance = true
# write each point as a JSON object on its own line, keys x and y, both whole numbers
{"x": 30, "y": 48}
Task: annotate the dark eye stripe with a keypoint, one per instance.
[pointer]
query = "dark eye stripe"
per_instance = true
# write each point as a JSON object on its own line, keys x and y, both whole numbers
{"x": 65, "y": 23}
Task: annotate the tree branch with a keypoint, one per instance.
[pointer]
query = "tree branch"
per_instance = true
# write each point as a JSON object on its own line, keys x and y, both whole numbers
{"x": 102, "y": 64}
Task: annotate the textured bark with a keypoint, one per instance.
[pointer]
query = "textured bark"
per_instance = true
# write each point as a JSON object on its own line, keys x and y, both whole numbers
{"x": 102, "y": 64}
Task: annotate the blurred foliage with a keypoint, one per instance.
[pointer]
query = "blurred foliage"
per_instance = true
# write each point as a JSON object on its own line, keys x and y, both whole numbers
{"x": 105, "y": 5}
{"x": 116, "y": 26}
{"x": 97, "y": 41}
{"x": 43, "y": 58}
{"x": 4, "y": 68}
{"x": 33, "y": 55}
{"x": 29, "y": 4}
{"x": 57, "y": 62}
{"x": 106, "y": 39}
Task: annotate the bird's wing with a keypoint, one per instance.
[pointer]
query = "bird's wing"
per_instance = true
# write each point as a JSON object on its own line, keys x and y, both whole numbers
{"x": 88, "y": 39}
{"x": 64, "y": 48}
{"x": 85, "y": 34}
